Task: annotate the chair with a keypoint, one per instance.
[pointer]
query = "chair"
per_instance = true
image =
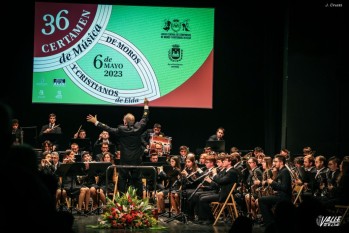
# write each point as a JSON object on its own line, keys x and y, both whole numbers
{"x": 297, "y": 194}
{"x": 218, "y": 208}
{"x": 344, "y": 209}
{"x": 115, "y": 180}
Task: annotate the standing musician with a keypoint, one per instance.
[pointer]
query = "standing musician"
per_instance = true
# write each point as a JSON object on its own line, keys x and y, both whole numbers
{"x": 146, "y": 136}
{"x": 254, "y": 182}
{"x": 17, "y": 132}
{"x": 53, "y": 129}
{"x": 218, "y": 135}
{"x": 283, "y": 187}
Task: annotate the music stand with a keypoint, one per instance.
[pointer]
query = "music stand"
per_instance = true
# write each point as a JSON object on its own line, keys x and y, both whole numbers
{"x": 84, "y": 143}
{"x": 98, "y": 169}
{"x": 69, "y": 170}
{"x": 217, "y": 145}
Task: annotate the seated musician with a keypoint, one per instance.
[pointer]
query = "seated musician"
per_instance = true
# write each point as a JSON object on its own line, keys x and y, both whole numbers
{"x": 189, "y": 174}
{"x": 148, "y": 174}
{"x": 309, "y": 175}
{"x": 82, "y": 135}
{"x": 320, "y": 176}
{"x": 46, "y": 166}
{"x": 339, "y": 191}
{"x": 99, "y": 189}
{"x": 254, "y": 182}
{"x": 282, "y": 184}
{"x": 332, "y": 175}
{"x": 203, "y": 188}
{"x": 264, "y": 189}
{"x": 183, "y": 151}
{"x": 299, "y": 170}
{"x": 74, "y": 185}
{"x": 104, "y": 138}
{"x": 171, "y": 183}
{"x": 226, "y": 178}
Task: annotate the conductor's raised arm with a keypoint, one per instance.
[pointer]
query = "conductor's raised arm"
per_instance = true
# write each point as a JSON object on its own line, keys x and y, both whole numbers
{"x": 92, "y": 119}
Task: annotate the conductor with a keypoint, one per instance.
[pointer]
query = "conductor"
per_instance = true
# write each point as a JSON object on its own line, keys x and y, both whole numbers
{"x": 131, "y": 148}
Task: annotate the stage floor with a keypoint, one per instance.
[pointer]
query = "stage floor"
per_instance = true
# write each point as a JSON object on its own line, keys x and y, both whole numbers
{"x": 81, "y": 226}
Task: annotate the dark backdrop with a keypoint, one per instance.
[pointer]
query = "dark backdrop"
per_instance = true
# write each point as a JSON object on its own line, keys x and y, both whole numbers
{"x": 279, "y": 77}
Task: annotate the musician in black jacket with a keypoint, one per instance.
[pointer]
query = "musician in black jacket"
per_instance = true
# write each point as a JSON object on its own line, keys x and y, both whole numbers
{"x": 51, "y": 131}
{"x": 225, "y": 179}
{"x": 283, "y": 187}
{"x": 131, "y": 149}
{"x": 203, "y": 187}
{"x": 17, "y": 133}
{"x": 155, "y": 131}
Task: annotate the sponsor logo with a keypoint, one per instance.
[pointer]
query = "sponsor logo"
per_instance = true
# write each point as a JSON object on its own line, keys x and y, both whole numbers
{"x": 176, "y": 29}
{"x": 175, "y": 54}
{"x": 59, "y": 82}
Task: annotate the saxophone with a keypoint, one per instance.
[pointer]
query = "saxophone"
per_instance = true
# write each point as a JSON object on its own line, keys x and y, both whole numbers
{"x": 268, "y": 190}
{"x": 254, "y": 188}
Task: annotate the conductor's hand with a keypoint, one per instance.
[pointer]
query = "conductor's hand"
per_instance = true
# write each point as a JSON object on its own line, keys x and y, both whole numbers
{"x": 146, "y": 102}
{"x": 92, "y": 119}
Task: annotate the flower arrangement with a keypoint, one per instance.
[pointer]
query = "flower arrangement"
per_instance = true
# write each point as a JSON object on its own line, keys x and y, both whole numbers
{"x": 127, "y": 211}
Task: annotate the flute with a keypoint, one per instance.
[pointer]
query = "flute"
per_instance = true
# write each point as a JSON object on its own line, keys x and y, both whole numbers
{"x": 55, "y": 126}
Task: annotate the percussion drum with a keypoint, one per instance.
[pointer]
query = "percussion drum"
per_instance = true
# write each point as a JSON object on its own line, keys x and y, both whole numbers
{"x": 164, "y": 141}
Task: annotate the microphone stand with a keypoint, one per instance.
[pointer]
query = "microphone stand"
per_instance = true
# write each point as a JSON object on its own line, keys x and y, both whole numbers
{"x": 182, "y": 216}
